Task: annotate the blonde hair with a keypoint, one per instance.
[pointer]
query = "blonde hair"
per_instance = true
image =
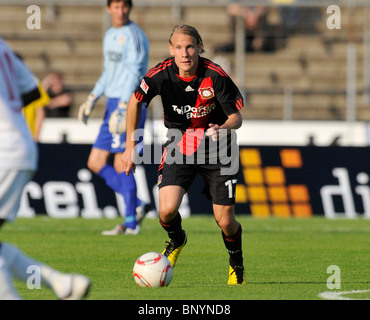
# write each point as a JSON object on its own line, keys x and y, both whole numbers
{"x": 190, "y": 31}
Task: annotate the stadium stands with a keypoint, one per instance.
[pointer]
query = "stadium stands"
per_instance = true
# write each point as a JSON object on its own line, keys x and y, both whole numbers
{"x": 312, "y": 65}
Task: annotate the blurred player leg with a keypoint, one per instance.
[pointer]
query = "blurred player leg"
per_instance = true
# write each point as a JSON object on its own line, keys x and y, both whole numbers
{"x": 65, "y": 286}
{"x": 7, "y": 291}
{"x": 105, "y": 145}
{"x": 13, "y": 263}
{"x": 126, "y": 186}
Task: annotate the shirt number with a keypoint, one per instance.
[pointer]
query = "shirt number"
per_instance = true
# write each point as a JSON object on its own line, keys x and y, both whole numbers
{"x": 229, "y": 184}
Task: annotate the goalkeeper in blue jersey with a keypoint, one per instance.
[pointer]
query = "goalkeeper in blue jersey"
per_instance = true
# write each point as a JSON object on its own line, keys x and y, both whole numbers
{"x": 126, "y": 51}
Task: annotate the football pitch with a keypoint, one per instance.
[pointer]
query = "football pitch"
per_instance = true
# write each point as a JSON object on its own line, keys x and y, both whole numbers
{"x": 285, "y": 259}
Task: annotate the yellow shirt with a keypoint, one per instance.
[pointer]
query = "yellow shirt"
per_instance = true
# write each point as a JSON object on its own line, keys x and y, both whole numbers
{"x": 29, "y": 111}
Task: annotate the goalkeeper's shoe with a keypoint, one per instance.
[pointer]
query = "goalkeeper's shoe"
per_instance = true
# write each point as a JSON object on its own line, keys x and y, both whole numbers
{"x": 236, "y": 275}
{"x": 173, "y": 250}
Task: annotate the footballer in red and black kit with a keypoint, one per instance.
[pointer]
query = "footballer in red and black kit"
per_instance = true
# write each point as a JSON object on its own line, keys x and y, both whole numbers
{"x": 201, "y": 107}
{"x": 190, "y": 104}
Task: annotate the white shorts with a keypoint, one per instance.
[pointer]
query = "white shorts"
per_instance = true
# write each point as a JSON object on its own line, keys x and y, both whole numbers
{"x": 12, "y": 184}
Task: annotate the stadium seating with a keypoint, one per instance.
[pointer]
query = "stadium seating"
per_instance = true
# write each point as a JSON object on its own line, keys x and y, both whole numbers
{"x": 312, "y": 65}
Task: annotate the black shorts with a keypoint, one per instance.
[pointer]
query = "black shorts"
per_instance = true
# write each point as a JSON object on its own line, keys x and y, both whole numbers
{"x": 219, "y": 188}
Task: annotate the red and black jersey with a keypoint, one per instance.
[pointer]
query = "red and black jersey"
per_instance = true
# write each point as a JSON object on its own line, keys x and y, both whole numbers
{"x": 190, "y": 104}
{"x": 208, "y": 97}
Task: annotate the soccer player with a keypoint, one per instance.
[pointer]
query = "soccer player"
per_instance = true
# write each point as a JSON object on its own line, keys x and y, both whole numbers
{"x": 201, "y": 109}
{"x": 126, "y": 50}
{"x": 18, "y": 162}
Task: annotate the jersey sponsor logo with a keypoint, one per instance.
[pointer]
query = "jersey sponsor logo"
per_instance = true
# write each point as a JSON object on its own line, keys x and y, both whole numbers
{"x": 114, "y": 56}
{"x": 144, "y": 86}
{"x": 206, "y": 93}
{"x": 194, "y": 112}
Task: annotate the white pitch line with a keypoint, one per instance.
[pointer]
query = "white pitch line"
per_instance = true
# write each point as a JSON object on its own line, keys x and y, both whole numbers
{"x": 338, "y": 295}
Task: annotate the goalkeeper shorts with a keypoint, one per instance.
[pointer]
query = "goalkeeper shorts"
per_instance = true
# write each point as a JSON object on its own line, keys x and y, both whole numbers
{"x": 115, "y": 143}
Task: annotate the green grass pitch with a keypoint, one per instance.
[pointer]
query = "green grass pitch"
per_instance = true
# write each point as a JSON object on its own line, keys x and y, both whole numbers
{"x": 284, "y": 258}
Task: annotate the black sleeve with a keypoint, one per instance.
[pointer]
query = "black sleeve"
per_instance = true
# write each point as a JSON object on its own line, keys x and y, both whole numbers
{"x": 228, "y": 95}
{"x": 31, "y": 96}
{"x": 147, "y": 90}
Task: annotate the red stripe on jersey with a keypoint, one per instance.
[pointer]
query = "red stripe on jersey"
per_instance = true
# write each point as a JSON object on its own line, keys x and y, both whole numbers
{"x": 199, "y": 121}
{"x": 239, "y": 104}
{"x": 211, "y": 65}
{"x": 191, "y": 140}
{"x": 151, "y": 73}
{"x": 163, "y": 159}
{"x": 139, "y": 96}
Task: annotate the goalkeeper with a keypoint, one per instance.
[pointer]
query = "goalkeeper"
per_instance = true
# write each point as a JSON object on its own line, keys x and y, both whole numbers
{"x": 126, "y": 50}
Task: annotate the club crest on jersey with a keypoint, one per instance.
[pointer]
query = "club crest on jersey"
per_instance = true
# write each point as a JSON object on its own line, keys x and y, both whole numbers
{"x": 144, "y": 86}
{"x": 121, "y": 40}
{"x": 206, "y": 93}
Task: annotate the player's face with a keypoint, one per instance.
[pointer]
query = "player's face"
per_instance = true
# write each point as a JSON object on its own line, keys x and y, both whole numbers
{"x": 186, "y": 52}
{"x": 119, "y": 12}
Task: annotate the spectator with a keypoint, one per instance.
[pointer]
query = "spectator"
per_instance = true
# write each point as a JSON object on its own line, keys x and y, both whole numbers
{"x": 258, "y": 33}
{"x": 60, "y": 98}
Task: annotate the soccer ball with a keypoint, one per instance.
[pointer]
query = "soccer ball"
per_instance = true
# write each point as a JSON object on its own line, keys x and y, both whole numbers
{"x": 152, "y": 270}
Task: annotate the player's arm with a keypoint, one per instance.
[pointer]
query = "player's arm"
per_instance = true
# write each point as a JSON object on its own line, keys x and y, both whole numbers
{"x": 25, "y": 80}
{"x": 87, "y": 107}
{"x": 231, "y": 102}
{"x": 40, "y": 116}
{"x": 132, "y": 122}
{"x": 234, "y": 121}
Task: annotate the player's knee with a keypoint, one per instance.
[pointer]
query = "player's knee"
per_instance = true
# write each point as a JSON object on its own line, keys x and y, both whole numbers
{"x": 167, "y": 212}
{"x": 117, "y": 163}
{"x": 227, "y": 224}
{"x": 93, "y": 165}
